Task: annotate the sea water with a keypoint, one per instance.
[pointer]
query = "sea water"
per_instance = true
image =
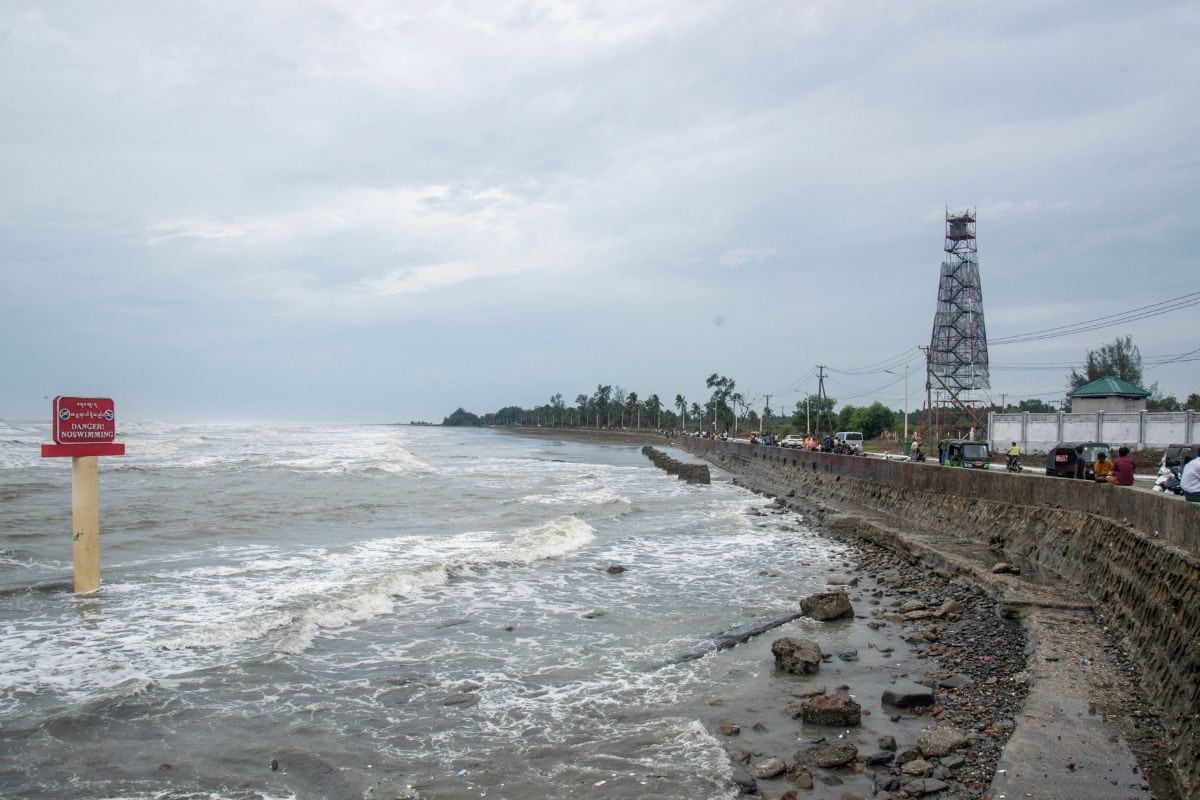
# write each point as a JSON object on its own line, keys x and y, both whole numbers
{"x": 350, "y": 611}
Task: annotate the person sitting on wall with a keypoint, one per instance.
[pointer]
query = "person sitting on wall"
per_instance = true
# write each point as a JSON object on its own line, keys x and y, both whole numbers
{"x": 1189, "y": 481}
{"x": 1122, "y": 469}
{"x": 1103, "y": 468}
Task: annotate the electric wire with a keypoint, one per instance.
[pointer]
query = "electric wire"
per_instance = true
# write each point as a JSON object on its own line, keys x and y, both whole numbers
{"x": 1121, "y": 318}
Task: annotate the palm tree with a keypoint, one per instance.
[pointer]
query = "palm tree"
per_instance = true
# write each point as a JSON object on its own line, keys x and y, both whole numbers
{"x": 681, "y": 404}
{"x": 738, "y": 401}
{"x": 698, "y": 413}
{"x": 631, "y": 403}
{"x": 654, "y": 406}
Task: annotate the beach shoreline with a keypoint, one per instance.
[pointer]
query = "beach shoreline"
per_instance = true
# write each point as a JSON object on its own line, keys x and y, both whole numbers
{"x": 999, "y": 670}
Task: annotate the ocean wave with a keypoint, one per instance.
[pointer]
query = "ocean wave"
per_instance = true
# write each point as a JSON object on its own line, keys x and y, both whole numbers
{"x": 377, "y": 597}
{"x": 357, "y": 605}
{"x": 599, "y": 496}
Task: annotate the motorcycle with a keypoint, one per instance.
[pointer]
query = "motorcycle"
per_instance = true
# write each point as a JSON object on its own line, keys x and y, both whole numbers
{"x": 1014, "y": 464}
{"x": 1168, "y": 480}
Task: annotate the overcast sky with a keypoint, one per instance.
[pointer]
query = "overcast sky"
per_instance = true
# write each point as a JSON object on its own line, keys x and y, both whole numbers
{"x": 381, "y": 211}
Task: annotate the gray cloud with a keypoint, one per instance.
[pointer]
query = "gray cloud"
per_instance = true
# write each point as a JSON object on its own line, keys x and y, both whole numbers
{"x": 303, "y": 209}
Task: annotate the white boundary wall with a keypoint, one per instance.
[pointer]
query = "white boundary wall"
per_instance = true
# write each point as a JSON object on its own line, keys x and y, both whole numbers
{"x": 1142, "y": 430}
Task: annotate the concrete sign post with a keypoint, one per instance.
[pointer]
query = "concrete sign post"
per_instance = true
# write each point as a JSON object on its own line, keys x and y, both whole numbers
{"x": 84, "y": 429}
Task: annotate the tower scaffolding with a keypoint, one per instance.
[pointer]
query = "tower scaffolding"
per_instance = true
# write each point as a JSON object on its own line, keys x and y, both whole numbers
{"x": 957, "y": 358}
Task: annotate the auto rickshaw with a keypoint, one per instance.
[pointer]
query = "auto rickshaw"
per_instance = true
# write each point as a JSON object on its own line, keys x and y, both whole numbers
{"x": 1060, "y": 459}
{"x": 966, "y": 453}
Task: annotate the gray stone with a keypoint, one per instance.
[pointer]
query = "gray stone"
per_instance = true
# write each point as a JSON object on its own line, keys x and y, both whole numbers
{"x": 906, "y": 694}
{"x": 771, "y": 768}
{"x": 743, "y": 780}
{"x": 918, "y": 767}
{"x": 925, "y": 786}
{"x": 796, "y": 656}
{"x": 827, "y": 606}
{"x": 887, "y": 742}
{"x": 941, "y": 740}
{"x": 880, "y": 758}
{"x": 956, "y": 681}
{"x": 801, "y": 777}
{"x": 947, "y": 608}
{"x": 953, "y": 762}
{"x": 848, "y": 655}
{"x": 836, "y": 754}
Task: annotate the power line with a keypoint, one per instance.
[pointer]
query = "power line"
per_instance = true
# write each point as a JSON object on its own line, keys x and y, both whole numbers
{"x": 1182, "y": 357}
{"x": 1121, "y": 318}
{"x": 873, "y": 369}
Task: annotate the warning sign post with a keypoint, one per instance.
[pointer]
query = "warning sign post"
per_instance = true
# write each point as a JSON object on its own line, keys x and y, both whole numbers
{"x": 84, "y": 429}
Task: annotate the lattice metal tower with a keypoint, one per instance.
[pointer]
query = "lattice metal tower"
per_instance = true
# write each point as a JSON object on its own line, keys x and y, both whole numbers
{"x": 958, "y": 355}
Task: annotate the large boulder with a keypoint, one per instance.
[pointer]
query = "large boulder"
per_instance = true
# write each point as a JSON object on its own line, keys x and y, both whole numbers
{"x": 827, "y": 606}
{"x": 797, "y": 656}
{"x": 832, "y": 709}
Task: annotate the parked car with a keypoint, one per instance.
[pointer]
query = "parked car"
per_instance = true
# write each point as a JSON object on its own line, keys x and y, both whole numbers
{"x": 966, "y": 453}
{"x": 853, "y": 438}
{"x": 1060, "y": 459}
{"x": 792, "y": 440}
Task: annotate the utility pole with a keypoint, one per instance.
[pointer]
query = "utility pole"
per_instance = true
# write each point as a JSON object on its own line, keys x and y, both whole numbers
{"x": 821, "y": 392}
{"x": 807, "y": 420}
{"x": 766, "y": 413}
{"x": 929, "y": 421}
{"x": 905, "y": 399}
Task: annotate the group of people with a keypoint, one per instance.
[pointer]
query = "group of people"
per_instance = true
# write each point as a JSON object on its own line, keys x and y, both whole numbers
{"x": 1118, "y": 471}
{"x": 828, "y": 444}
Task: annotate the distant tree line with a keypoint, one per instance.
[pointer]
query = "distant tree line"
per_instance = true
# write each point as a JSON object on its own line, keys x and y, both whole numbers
{"x": 725, "y": 410}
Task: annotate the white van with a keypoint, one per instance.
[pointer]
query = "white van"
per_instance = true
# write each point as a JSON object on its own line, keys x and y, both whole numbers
{"x": 852, "y": 438}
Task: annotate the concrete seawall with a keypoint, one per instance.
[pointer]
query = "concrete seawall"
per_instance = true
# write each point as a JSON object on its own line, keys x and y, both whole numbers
{"x": 1134, "y": 555}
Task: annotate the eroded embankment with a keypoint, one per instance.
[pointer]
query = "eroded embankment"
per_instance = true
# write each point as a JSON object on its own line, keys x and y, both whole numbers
{"x": 1144, "y": 586}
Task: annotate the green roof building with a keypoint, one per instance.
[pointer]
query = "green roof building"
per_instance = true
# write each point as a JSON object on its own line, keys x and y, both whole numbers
{"x": 1108, "y": 394}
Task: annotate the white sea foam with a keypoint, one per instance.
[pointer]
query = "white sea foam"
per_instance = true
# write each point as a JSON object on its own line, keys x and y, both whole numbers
{"x": 357, "y": 604}
{"x": 555, "y": 538}
{"x": 376, "y": 597}
{"x": 597, "y": 496}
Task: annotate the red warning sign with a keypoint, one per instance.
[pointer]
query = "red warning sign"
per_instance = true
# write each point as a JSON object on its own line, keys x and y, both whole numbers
{"x": 84, "y": 420}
